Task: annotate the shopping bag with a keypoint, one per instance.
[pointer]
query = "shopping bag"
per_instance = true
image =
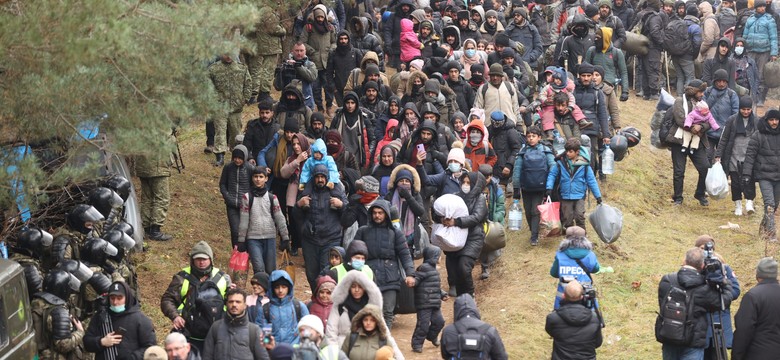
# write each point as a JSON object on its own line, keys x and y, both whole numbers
{"x": 449, "y": 238}
{"x": 287, "y": 265}
{"x": 607, "y": 221}
{"x": 716, "y": 182}
{"x": 549, "y": 218}
{"x": 239, "y": 267}
{"x": 495, "y": 236}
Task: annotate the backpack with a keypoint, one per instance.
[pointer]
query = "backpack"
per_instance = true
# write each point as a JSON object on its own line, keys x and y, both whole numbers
{"x": 353, "y": 339}
{"x": 535, "y": 170}
{"x": 509, "y": 86}
{"x": 675, "y": 324}
{"x": 472, "y": 343}
{"x": 677, "y": 41}
{"x": 668, "y": 122}
{"x": 267, "y": 311}
{"x": 614, "y": 59}
{"x": 204, "y": 305}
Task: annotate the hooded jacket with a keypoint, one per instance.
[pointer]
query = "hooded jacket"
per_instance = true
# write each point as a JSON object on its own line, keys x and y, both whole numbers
{"x": 282, "y": 311}
{"x": 339, "y": 324}
{"x": 761, "y": 33}
{"x": 427, "y": 288}
{"x": 745, "y": 67}
{"x": 482, "y": 152}
{"x": 576, "y": 332}
{"x": 413, "y": 201}
{"x": 341, "y": 61}
{"x": 763, "y": 152}
{"x": 723, "y": 104}
{"x": 287, "y": 110}
{"x": 386, "y": 139}
{"x": 528, "y": 35}
{"x": 576, "y": 44}
{"x": 478, "y": 214}
{"x": 610, "y": 58}
{"x": 391, "y": 33}
{"x": 410, "y": 45}
{"x": 139, "y": 334}
{"x": 470, "y": 32}
{"x": 366, "y": 345}
{"x": 259, "y": 134}
{"x": 387, "y": 249}
{"x": 318, "y": 45}
{"x": 452, "y": 30}
{"x": 467, "y": 317}
{"x": 618, "y": 30}
{"x": 716, "y": 62}
{"x": 436, "y": 149}
{"x": 356, "y": 78}
{"x": 235, "y": 181}
{"x": 364, "y": 38}
{"x": 321, "y": 222}
{"x": 506, "y": 143}
{"x": 307, "y": 172}
{"x": 625, "y": 13}
{"x": 710, "y": 32}
{"x": 575, "y": 178}
{"x": 446, "y": 105}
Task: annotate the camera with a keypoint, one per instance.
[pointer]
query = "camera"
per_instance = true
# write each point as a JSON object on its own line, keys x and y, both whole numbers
{"x": 711, "y": 264}
{"x": 588, "y": 296}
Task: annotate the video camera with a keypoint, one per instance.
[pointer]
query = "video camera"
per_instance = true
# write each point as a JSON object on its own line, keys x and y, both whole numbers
{"x": 588, "y": 296}
{"x": 711, "y": 263}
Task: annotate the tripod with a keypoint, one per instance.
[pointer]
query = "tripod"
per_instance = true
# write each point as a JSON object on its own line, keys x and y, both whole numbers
{"x": 718, "y": 338}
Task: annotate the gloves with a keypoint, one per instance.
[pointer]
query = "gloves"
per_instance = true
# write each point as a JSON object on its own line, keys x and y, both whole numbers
{"x": 406, "y": 194}
{"x": 624, "y": 97}
{"x": 746, "y": 180}
{"x": 241, "y": 247}
{"x": 598, "y": 201}
{"x": 284, "y": 245}
{"x": 715, "y": 277}
{"x": 548, "y": 193}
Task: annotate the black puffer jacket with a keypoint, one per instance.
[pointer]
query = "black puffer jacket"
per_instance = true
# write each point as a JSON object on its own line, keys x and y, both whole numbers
{"x": 477, "y": 205}
{"x": 575, "y": 330}
{"x": 467, "y": 317}
{"x": 258, "y": 135}
{"x": 464, "y": 94}
{"x": 427, "y": 289}
{"x": 366, "y": 40}
{"x": 235, "y": 181}
{"x": 386, "y": 248}
{"x": 653, "y": 23}
{"x": 763, "y": 153}
{"x": 705, "y": 299}
{"x": 506, "y": 144}
{"x": 594, "y": 105}
{"x": 341, "y": 61}
{"x": 625, "y": 13}
{"x": 321, "y": 223}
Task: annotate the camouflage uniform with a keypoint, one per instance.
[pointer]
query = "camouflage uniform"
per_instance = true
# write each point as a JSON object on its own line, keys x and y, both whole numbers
{"x": 263, "y": 58}
{"x": 49, "y": 347}
{"x": 234, "y": 86}
{"x": 154, "y": 172}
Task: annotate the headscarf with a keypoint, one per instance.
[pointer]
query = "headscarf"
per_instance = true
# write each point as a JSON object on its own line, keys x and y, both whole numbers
{"x": 304, "y": 148}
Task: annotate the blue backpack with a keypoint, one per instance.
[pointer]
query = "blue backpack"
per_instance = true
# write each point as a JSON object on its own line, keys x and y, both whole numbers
{"x": 535, "y": 169}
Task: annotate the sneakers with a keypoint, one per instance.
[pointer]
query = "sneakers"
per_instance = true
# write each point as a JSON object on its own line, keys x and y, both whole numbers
{"x": 534, "y": 241}
{"x": 684, "y": 149}
{"x": 738, "y": 207}
{"x": 584, "y": 124}
{"x": 749, "y": 207}
{"x": 452, "y": 293}
{"x": 702, "y": 200}
{"x": 436, "y": 342}
{"x": 677, "y": 202}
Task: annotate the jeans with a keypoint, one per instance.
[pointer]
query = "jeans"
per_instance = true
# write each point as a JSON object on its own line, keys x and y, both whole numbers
{"x": 316, "y": 258}
{"x": 685, "y": 72}
{"x": 674, "y": 352}
{"x": 770, "y": 192}
{"x": 737, "y": 191}
{"x": 459, "y": 273}
{"x": 429, "y": 325}
{"x": 389, "y": 298}
{"x": 532, "y": 199}
{"x": 712, "y": 148}
{"x": 679, "y": 159}
{"x": 262, "y": 254}
{"x": 234, "y": 217}
{"x": 761, "y": 59}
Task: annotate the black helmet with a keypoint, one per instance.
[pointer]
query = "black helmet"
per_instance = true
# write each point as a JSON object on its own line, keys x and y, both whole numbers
{"x": 619, "y": 146}
{"x": 105, "y": 199}
{"x": 35, "y": 240}
{"x": 61, "y": 283}
{"x": 632, "y": 134}
{"x": 121, "y": 241}
{"x": 80, "y": 215}
{"x": 121, "y": 185}
{"x": 81, "y": 271}
{"x": 96, "y": 251}
{"x": 124, "y": 227}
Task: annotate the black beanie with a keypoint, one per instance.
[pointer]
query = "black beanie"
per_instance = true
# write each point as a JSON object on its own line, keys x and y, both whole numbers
{"x": 478, "y": 68}
{"x": 291, "y": 125}
{"x": 237, "y": 153}
{"x": 720, "y": 74}
{"x": 585, "y": 68}
{"x": 692, "y": 10}
{"x": 371, "y": 85}
{"x": 502, "y": 39}
{"x": 591, "y": 10}
{"x": 598, "y": 69}
{"x": 439, "y": 51}
{"x": 745, "y": 102}
{"x": 317, "y": 116}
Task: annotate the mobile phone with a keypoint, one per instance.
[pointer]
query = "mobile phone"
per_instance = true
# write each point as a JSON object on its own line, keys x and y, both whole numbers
{"x": 267, "y": 330}
{"x": 420, "y": 148}
{"x": 121, "y": 331}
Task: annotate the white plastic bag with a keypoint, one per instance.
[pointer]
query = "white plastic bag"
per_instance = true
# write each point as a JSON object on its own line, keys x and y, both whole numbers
{"x": 450, "y": 238}
{"x": 608, "y": 222}
{"x": 717, "y": 183}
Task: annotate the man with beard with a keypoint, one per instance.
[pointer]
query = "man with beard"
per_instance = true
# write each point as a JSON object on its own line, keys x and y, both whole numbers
{"x": 391, "y": 33}
{"x": 371, "y": 100}
{"x": 723, "y": 103}
{"x": 491, "y": 27}
{"x": 467, "y": 27}
{"x": 356, "y": 128}
{"x": 371, "y": 73}
{"x": 623, "y": 10}
{"x": 260, "y": 131}
{"x": 522, "y": 31}
{"x": 432, "y": 94}
{"x": 320, "y": 38}
{"x": 464, "y": 94}
{"x": 234, "y": 336}
{"x": 653, "y": 24}
{"x": 493, "y": 95}
{"x": 340, "y": 62}
{"x": 506, "y": 143}
{"x": 316, "y": 128}
{"x": 607, "y": 19}
{"x": 594, "y": 105}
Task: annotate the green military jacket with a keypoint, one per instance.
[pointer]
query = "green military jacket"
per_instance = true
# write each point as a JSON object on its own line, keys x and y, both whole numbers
{"x": 232, "y": 83}
{"x": 49, "y": 348}
{"x": 268, "y": 34}
{"x": 155, "y": 165}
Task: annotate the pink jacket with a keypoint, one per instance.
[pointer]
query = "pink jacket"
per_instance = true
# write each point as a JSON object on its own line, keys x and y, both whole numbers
{"x": 410, "y": 45}
{"x": 694, "y": 117}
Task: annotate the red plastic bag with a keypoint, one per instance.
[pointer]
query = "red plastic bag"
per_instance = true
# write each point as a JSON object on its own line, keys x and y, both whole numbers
{"x": 550, "y": 218}
{"x": 239, "y": 267}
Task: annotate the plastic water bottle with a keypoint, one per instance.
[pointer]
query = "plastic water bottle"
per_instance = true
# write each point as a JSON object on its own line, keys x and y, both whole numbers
{"x": 608, "y": 161}
{"x": 558, "y": 143}
{"x": 515, "y": 216}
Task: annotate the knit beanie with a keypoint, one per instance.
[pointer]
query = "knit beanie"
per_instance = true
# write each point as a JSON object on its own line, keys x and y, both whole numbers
{"x": 371, "y": 84}
{"x": 491, "y": 13}
{"x": 745, "y": 102}
{"x": 585, "y": 68}
{"x": 372, "y": 69}
{"x": 368, "y": 184}
{"x": 591, "y": 10}
{"x": 291, "y": 125}
{"x": 599, "y": 69}
{"x": 456, "y": 154}
{"x": 417, "y": 64}
{"x": 404, "y": 174}
{"x": 317, "y": 117}
{"x": 767, "y": 268}
{"x": 313, "y": 322}
{"x": 260, "y": 278}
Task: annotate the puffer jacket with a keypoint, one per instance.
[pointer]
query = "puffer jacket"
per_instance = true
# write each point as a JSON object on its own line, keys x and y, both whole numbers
{"x": 339, "y": 324}
{"x": 318, "y": 45}
{"x": 653, "y": 23}
{"x": 467, "y": 317}
{"x": 410, "y": 45}
{"x": 258, "y": 135}
{"x": 723, "y": 104}
{"x": 482, "y": 152}
{"x": 365, "y": 39}
{"x": 387, "y": 250}
{"x": 761, "y": 34}
{"x": 625, "y": 13}
{"x": 470, "y": 32}
{"x": 464, "y": 94}
{"x": 341, "y": 61}
{"x": 705, "y": 299}
{"x": 506, "y": 143}
{"x": 576, "y": 177}
{"x": 427, "y": 288}
{"x": 763, "y": 152}
{"x": 727, "y": 63}
{"x": 391, "y": 32}
{"x": 728, "y": 138}
{"x": 229, "y": 338}
{"x": 320, "y": 222}
{"x": 619, "y": 31}
{"x": 284, "y": 320}
{"x": 235, "y": 181}
{"x": 608, "y": 57}
{"x": 576, "y": 332}
{"x": 594, "y": 105}
{"x": 528, "y": 35}
{"x": 316, "y": 306}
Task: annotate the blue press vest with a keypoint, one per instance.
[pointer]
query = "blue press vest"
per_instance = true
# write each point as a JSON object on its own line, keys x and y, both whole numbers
{"x": 569, "y": 270}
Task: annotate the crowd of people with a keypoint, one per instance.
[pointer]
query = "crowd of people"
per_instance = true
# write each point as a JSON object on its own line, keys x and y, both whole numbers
{"x": 487, "y": 102}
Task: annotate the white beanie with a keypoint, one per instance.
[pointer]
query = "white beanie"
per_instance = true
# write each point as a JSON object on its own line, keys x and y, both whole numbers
{"x": 313, "y": 322}
{"x": 417, "y": 64}
{"x": 457, "y": 154}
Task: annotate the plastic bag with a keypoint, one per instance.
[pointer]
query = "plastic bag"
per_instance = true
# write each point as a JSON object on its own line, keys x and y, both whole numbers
{"x": 772, "y": 74}
{"x": 450, "y": 238}
{"x": 608, "y": 222}
{"x": 239, "y": 267}
{"x": 716, "y": 182}
{"x": 549, "y": 218}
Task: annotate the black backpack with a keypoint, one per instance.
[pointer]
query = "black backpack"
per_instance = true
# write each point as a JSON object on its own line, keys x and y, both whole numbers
{"x": 675, "y": 324}
{"x": 535, "y": 169}
{"x": 677, "y": 41}
{"x": 205, "y": 304}
{"x": 472, "y": 343}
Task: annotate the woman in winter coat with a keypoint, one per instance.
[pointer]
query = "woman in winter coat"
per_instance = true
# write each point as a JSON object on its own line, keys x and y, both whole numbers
{"x": 460, "y": 263}
{"x": 370, "y": 333}
{"x": 731, "y": 152}
{"x": 404, "y": 194}
{"x": 322, "y": 299}
{"x": 351, "y": 295}
{"x": 384, "y": 168}
{"x": 470, "y": 56}
{"x": 762, "y": 164}
{"x": 292, "y": 170}
{"x": 344, "y": 159}
{"x": 386, "y": 139}
{"x": 478, "y": 149}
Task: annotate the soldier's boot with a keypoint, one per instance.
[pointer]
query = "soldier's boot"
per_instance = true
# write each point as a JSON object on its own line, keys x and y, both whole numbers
{"x": 220, "y": 159}
{"x": 263, "y": 96}
{"x": 252, "y": 100}
{"x": 157, "y": 234}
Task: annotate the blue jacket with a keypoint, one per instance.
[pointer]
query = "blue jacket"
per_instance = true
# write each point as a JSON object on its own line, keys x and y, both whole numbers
{"x": 725, "y": 317}
{"x": 444, "y": 181}
{"x": 575, "y": 180}
{"x": 517, "y": 171}
{"x": 566, "y": 268}
{"x": 327, "y": 160}
{"x": 723, "y": 104}
{"x": 761, "y": 34}
{"x": 283, "y": 318}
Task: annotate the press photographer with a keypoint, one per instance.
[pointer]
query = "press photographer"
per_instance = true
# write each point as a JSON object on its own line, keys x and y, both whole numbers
{"x": 297, "y": 66}
{"x": 686, "y": 299}
{"x": 575, "y": 327}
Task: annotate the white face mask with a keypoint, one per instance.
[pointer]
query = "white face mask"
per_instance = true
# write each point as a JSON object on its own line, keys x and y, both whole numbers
{"x": 465, "y": 188}
{"x": 739, "y": 50}
{"x": 475, "y": 138}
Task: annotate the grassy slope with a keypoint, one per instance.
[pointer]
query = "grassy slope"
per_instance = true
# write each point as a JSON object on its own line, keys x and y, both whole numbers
{"x": 520, "y": 293}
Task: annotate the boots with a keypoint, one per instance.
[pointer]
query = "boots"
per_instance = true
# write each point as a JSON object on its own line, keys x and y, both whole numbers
{"x": 485, "y": 273}
{"x": 749, "y": 207}
{"x": 738, "y": 207}
{"x": 220, "y": 159}
{"x": 264, "y": 95}
{"x": 154, "y": 233}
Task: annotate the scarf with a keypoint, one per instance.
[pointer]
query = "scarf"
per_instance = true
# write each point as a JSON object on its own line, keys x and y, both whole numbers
{"x": 259, "y": 192}
{"x": 407, "y": 215}
{"x": 353, "y": 306}
{"x": 407, "y": 127}
{"x": 281, "y": 155}
{"x": 321, "y": 28}
{"x": 741, "y": 129}
{"x": 367, "y": 198}
{"x": 490, "y": 29}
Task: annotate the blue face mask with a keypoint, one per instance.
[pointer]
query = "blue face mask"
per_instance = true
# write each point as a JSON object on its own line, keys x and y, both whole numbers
{"x": 118, "y": 308}
{"x": 358, "y": 264}
{"x": 454, "y": 167}
{"x": 471, "y": 52}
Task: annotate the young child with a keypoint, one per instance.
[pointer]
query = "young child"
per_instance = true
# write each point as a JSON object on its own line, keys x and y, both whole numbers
{"x": 557, "y": 82}
{"x": 410, "y": 45}
{"x": 258, "y": 298}
{"x": 459, "y": 125}
{"x": 356, "y": 253}
{"x": 699, "y": 115}
{"x": 335, "y": 258}
{"x": 427, "y": 299}
{"x": 283, "y": 311}
{"x": 575, "y": 176}
{"x": 319, "y": 155}
{"x": 321, "y": 302}
{"x": 261, "y": 219}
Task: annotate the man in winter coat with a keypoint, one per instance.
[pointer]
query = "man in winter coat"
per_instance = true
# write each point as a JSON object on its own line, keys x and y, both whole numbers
{"x": 320, "y": 38}
{"x": 607, "y": 19}
{"x": 594, "y": 105}
{"x": 372, "y": 101}
{"x": 320, "y": 208}
{"x": 498, "y": 94}
{"x": 575, "y": 329}
{"x": 761, "y": 35}
{"x": 653, "y": 23}
{"x": 391, "y": 32}
{"x": 464, "y": 94}
{"x": 506, "y": 143}
{"x": 758, "y": 316}
{"x": 467, "y": 27}
{"x": 387, "y": 250}
{"x": 491, "y": 27}
{"x": 444, "y": 135}
{"x": 731, "y": 152}
{"x": 366, "y": 72}
{"x": 710, "y": 32}
{"x": 604, "y": 53}
{"x": 298, "y": 66}
{"x": 469, "y": 326}
{"x": 761, "y": 164}
{"x": 521, "y": 30}
{"x": 564, "y": 14}
{"x": 723, "y": 103}
{"x": 364, "y": 38}
{"x": 340, "y": 62}
{"x": 355, "y": 125}
{"x": 120, "y": 330}
{"x": 234, "y": 337}
{"x": 623, "y": 10}
{"x": 683, "y": 64}
{"x": 572, "y": 49}
{"x": 433, "y": 94}
{"x": 721, "y": 60}
{"x": 260, "y": 132}
{"x": 706, "y": 298}
{"x": 234, "y": 182}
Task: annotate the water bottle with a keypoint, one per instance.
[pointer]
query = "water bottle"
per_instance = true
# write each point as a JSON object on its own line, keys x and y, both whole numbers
{"x": 558, "y": 143}
{"x": 608, "y": 161}
{"x": 515, "y": 216}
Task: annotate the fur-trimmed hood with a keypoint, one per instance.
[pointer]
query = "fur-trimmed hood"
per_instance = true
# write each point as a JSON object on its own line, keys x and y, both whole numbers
{"x": 374, "y": 311}
{"x": 410, "y": 82}
{"x": 415, "y": 176}
{"x": 369, "y": 56}
{"x": 320, "y": 7}
{"x": 575, "y": 242}
{"x": 341, "y": 291}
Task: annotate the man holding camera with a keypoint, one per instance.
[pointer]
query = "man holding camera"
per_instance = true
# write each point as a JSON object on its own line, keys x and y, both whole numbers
{"x": 298, "y": 66}
{"x": 575, "y": 328}
{"x": 686, "y": 298}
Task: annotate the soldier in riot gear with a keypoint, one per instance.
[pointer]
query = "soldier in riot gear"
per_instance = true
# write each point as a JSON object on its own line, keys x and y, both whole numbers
{"x": 109, "y": 204}
{"x": 68, "y": 240}
{"x": 86, "y": 298}
{"x": 120, "y": 185}
{"x": 27, "y": 249}
{"x": 121, "y": 262}
{"x": 57, "y": 334}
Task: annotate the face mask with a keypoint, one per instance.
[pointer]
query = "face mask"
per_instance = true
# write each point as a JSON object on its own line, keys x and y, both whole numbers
{"x": 358, "y": 264}
{"x": 117, "y": 309}
{"x": 537, "y": 8}
{"x": 475, "y": 138}
{"x": 471, "y": 52}
{"x": 465, "y": 188}
{"x": 454, "y": 167}
{"x": 738, "y": 50}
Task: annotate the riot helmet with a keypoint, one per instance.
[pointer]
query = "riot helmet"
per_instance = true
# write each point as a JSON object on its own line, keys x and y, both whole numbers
{"x": 82, "y": 217}
{"x": 61, "y": 283}
{"x": 105, "y": 199}
{"x": 96, "y": 251}
{"x": 121, "y": 241}
{"x": 632, "y": 134}
{"x": 35, "y": 240}
{"x": 619, "y": 146}
{"x": 120, "y": 185}
{"x": 81, "y": 271}
{"x": 124, "y": 227}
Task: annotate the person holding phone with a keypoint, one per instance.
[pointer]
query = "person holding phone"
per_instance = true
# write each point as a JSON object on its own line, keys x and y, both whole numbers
{"x": 120, "y": 330}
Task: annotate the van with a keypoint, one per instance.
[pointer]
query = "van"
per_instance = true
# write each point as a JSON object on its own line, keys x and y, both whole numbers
{"x": 17, "y": 336}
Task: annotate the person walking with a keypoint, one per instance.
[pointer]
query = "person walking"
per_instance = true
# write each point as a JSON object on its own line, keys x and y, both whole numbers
{"x": 762, "y": 161}
{"x": 758, "y": 316}
{"x": 234, "y": 337}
